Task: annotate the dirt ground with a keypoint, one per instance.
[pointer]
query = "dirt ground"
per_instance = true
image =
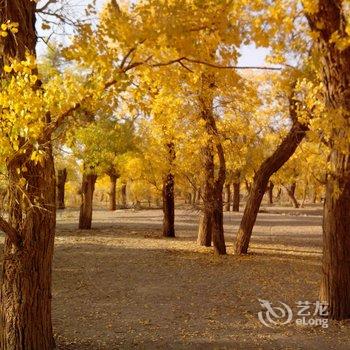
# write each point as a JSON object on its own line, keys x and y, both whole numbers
{"x": 122, "y": 286}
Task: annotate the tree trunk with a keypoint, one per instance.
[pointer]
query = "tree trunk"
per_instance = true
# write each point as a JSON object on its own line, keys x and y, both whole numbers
{"x": 284, "y": 151}
{"x": 87, "y": 195}
{"x": 213, "y": 203}
{"x": 291, "y": 194}
{"x": 206, "y": 220}
{"x": 168, "y": 196}
{"x": 205, "y": 229}
{"x": 228, "y": 197}
{"x": 236, "y": 196}
{"x": 270, "y": 192}
{"x": 26, "y": 283}
{"x": 168, "y": 206}
{"x": 124, "y": 198}
{"x": 28, "y": 249}
{"x": 61, "y": 183}
{"x": 330, "y": 18}
{"x": 112, "y": 192}
{"x": 335, "y": 284}
{"x": 248, "y": 186}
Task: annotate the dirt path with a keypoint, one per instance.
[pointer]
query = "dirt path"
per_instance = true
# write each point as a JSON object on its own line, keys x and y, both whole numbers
{"x": 121, "y": 286}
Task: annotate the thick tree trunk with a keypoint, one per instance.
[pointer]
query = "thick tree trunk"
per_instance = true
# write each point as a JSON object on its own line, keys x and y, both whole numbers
{"x": 112, "y": 192}
{"x": 228, "y": 197}
{"x": 26, "y": 282}
{"x": 124, "y": 198}
{"x": 168, "y": 195}
{"x": 270, "y": 192}
{"x": 330, "y": 18}
{"x": 205, "y": 229}
{"x": 61, "y": 183}
{"x": 236, "y": 196}
{"x": 28, "y": 249}
{"x": 284, "y": 151}
{"x": 291, "y": 194}
{"x": 87, "y": 195}
{"x": 335, "y": 285}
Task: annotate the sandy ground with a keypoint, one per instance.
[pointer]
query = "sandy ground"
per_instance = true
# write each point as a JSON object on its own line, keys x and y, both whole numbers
{"x": 122, "y": 286}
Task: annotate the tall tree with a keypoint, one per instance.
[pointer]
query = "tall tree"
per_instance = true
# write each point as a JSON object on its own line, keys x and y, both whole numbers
{"x": 330, "y": 20}
{"x": 26, "y": 296}
{"x": 261, "y": 178}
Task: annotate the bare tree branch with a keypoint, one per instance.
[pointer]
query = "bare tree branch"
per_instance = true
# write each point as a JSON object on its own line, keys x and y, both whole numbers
{"x": 11, "y": 233}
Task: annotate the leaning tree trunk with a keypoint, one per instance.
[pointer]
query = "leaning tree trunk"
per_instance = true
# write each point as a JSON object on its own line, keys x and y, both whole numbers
{"x": 28, "y": 249}
{"x": 330, "y": 18}
{"x": 112, "y": 194}
{"x": 284, "y": 151}
{"x": 228, "y": 197}
{"x": 61, "y": 183}
{"x": 236, "y": 196}
{"x": 87, "y": 195}
{"x": 168, "y": 196}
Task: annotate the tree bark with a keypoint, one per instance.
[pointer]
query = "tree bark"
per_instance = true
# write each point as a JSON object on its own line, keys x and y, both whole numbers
{"x": 283, "y": 152}
{"x": 168, "y": 195}
{"x": 228, "y": 197}
{"x": 112, "y": 192}
{"x": 61, "y": 183}
{"x": 87, "y": 195}
{"x": 236, "y": 196}
{"x": 205, "y": 232}
{"x": 213, "y": 203}
{"x": 28, "y": 249}
{"x": 330, "y": 18}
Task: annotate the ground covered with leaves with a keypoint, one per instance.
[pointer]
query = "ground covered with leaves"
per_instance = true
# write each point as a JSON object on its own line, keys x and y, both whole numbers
{"x": 122, "y": 286}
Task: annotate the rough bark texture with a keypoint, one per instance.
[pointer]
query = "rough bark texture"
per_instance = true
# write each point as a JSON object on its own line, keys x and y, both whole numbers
{"x": 335, "y": 288}
{"x": 284, "y": 151}
{"x": 168, "y": 196}
{"x": 112, "y": 194}
{"x": 228, "y": 197}
{"x": 87, "y": 195}
{"x": 236, "y": 196}
{"x": 28, "y": 250}
{"x": 212, "y": 198}
{"x": 61, "y": 183}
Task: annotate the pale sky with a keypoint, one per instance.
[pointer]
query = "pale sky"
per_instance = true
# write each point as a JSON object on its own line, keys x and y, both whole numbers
{"x": 250, "y": 55}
